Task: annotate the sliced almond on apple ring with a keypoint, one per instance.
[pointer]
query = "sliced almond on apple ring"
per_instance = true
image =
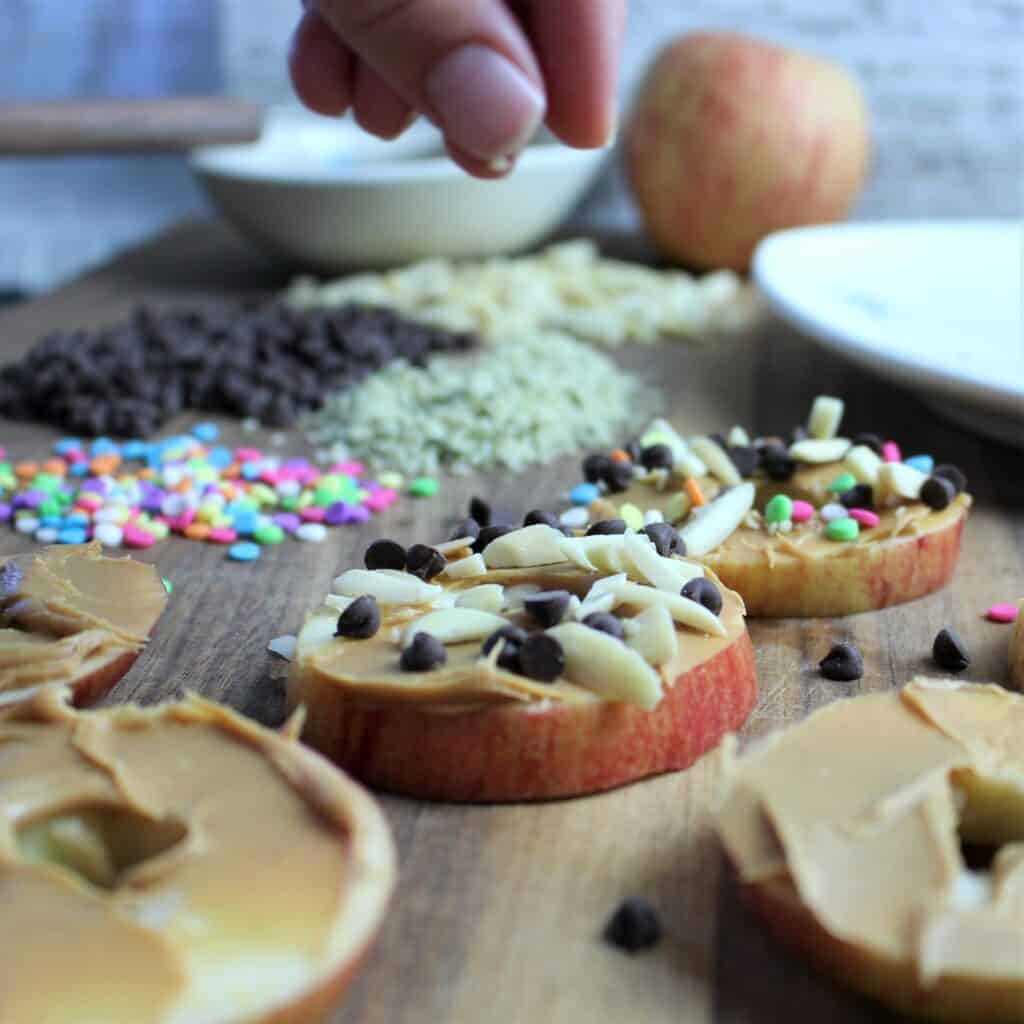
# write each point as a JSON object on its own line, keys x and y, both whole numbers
{"x": 668, "y": 574}
{"x": 717, "y": 460}
{"x": 466, "y": 568}
{"x": 606, "y": 666}
{"x": 455, "y": 625}
{"x": 819, "y": 451}
{"x": 718, "y": 520}
{"x": 487, "y": 597}
{"x": 652, "y": 634}
{"x": 386, "y": 587}
{"x": 531, "y": 545}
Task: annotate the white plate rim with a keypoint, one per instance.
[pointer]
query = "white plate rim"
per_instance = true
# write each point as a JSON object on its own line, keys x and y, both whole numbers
{"x": 1008, "y": 398}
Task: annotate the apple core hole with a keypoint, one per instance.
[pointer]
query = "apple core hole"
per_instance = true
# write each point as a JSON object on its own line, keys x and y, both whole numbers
{"x": 99, "y": 844}
{"x": 991, "y": 816}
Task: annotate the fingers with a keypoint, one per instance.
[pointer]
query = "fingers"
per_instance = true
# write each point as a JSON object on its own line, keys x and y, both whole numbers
{"x": 378, "y": 108}
{"x": 320, "y": 66}
{"x": 464, "y": 63}
{"x": 577, "y": 43}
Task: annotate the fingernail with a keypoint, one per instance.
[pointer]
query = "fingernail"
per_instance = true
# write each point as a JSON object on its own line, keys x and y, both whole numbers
{"x": 484, "y": 103}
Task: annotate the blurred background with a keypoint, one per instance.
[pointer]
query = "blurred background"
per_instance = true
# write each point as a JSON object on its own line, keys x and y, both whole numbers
{"x": 945, "y": 81}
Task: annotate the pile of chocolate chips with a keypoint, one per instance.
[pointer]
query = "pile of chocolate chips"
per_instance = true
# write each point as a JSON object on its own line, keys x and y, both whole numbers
{"x": 262, "y": 360}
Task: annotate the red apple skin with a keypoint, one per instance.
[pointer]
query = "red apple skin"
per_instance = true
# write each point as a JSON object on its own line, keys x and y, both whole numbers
{"x": 876, "y": 576}
{"x": 731, "y": 138}
{"x": 510, "y": 753}
{"x": 893, "y": 982}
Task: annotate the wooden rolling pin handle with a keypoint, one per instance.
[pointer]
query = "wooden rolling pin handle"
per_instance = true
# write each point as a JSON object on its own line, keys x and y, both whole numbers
{"x": 94, "y": 126}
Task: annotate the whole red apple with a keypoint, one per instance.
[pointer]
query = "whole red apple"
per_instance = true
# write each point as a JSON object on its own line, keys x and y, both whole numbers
{"x": 731, "y": 138}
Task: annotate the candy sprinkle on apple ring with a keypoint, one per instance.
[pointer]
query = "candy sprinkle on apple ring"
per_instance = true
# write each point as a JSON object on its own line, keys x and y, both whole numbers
{"x": 523, "y": 664}
{"x": 815, "y": 524}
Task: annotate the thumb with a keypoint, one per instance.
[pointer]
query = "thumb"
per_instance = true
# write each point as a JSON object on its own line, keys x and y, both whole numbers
{"x": 466, "y": 64}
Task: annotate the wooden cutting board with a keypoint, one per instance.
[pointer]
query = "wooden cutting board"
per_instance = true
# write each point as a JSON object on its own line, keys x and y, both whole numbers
{"x": 500, "y": 909}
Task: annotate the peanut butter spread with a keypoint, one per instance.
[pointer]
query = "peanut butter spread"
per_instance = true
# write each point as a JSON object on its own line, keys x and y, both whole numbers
{"x": 862, "y": 808}
{"x": 751, "y": 543}
{"x": 1017, "y": 651}
{"x": 67, "y": 611}
{"x": 368, "y": 670}
{"x": 174, "y": 865}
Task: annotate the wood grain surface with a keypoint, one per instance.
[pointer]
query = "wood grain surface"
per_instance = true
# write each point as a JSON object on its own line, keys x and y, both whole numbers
{"x": 499, "y": 911}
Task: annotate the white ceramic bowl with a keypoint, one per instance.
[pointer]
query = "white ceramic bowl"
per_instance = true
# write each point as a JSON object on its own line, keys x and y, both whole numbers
{"x": 323, "y": 194}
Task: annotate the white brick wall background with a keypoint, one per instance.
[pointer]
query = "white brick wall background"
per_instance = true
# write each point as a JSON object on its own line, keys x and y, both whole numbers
{"x": 945, "y": 80}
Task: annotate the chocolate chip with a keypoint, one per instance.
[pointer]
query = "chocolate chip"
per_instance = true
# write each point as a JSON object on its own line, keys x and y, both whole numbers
{"x": 745, "y": 458}
{"x": 953, "y": 474}
{"x": 797, "y": 434}
{"x": 634, "y": 926}
{"x": 665, "y": 538}
{"x": 423, "y": 654}
{"x": 538, "y": 517}
{"x": 618, "y": 476}
{"x": 705, "y": 593}
{"x": 548, "y": 608}
{"x": 633, "y": 450}
{"x": 872, "y": 441}
{"x": 657, "y": 456}
{"x": 842, "y": 664}
{"x": 360, "y": 620}
{"x": 385, "y": 554}
{"x": 541, "y": 658}
{"x": 937, "y": 492}
{"x": 605, "y": 622}
{"x": 465, "y": 528}
{"x": 489, "y": 533}
{"x": 595, "y": 467}
{"x": 858, "y": 496}
{"x": 424, "y": 561}
{"x": 480, "y": 511}
{"x": 949, "y": 652}
{"x": 610, "y": 527}
{"x": 777, "y": 462}
{"x": 513, "y": 637}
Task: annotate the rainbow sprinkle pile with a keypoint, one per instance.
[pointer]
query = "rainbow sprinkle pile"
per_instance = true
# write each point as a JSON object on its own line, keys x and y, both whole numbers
{"x": 136, "y": 493}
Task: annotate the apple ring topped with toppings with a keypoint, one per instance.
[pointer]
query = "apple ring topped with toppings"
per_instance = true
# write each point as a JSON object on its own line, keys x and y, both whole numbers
{"x": 883, "y": 837}
{"x": 178, "y": 865}
{"x": 819, "y": 525}
{"x": 70, "y": 615}
{"x": 522, "y": 665}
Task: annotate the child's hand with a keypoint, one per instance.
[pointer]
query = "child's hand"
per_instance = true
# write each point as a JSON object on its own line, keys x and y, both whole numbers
{"x": 486, "y": 72}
